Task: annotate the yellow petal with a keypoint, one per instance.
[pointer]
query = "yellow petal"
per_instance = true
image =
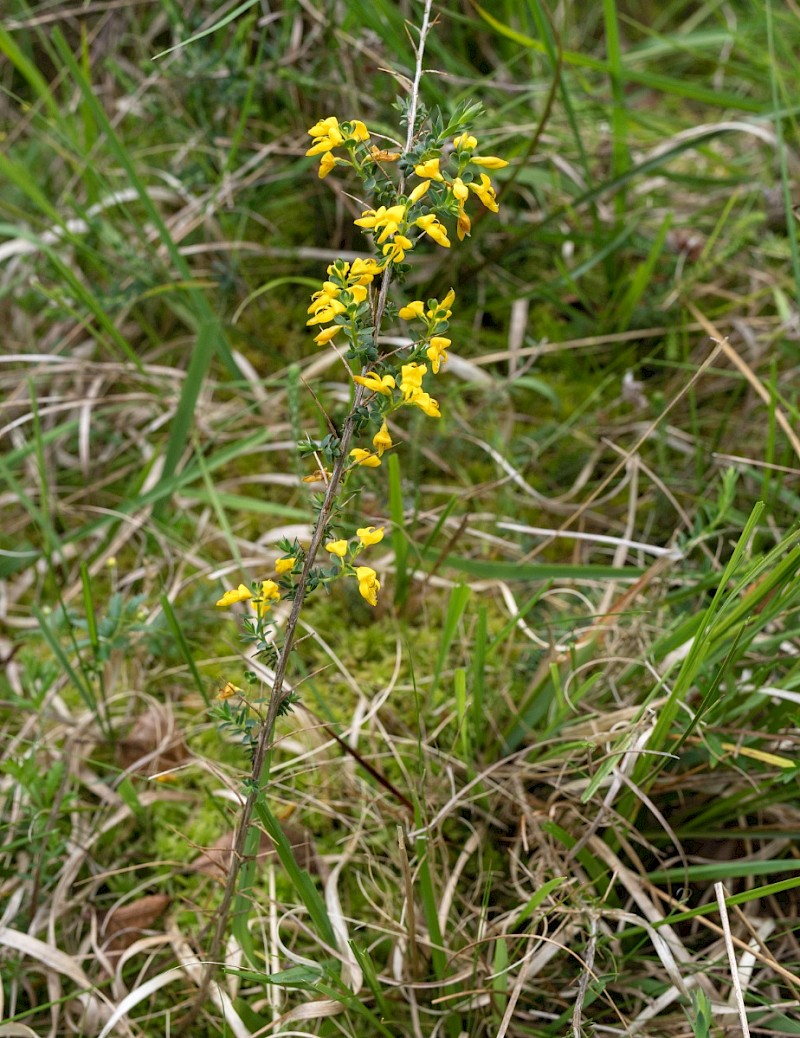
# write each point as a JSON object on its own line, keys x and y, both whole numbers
{"x": 368, "y": 584}
{"x": 327, "y": 334}
{"x": 368, "y": 459}
{"x": 382, "y": 441}
{"x": 413, "y": 310}
{"x": 489, "y": 161}
{"x": 239, "y": 594}
{"x": 419, "y": 191}
{"x": 370, "y": 535}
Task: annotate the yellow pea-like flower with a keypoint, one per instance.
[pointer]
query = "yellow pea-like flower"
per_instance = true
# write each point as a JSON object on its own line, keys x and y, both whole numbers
{"x": 425, "y": 402}
{"x": 382, "y": 441}
{"x": 436, "y": 352}
{"x": 429, "y": 170}
{"x": 370, "y": 535}
{"x": 368, "y": 584}
{"x": 486, "y": 193}
{"x": 383, "y": 385}
{"x": 326, "y": 164}
{"x": 411, "y": 380}
{"x": 368, "y": 459}
{"x": 465, "y": 142}
{"x": 327, "y": 334}
{"x": 239, "y": 594}
{"x": 488, "y": 161}
{"x": 419, "y": 191}
{"x": 432, "y": 227}
{"x": 412, "y": 311}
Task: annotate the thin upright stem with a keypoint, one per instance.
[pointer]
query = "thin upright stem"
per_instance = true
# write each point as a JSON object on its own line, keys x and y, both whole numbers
{"x": 424, "y": 29}
{"x": 278, "y": 693}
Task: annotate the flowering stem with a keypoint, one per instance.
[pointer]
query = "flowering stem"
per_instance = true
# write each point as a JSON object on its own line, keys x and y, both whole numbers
{"x": 260, "y": 767}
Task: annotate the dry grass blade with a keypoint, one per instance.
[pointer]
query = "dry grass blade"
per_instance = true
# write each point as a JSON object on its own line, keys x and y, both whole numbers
{"x": 738, "y": 997}
{"x": 724, "y": 345}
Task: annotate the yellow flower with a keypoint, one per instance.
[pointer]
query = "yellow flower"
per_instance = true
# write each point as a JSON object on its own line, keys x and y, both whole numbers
{"x": 386, "y": 220}
{"x": 464, "y": 225}
{"x": 370, "y": 535}
{"x": 338, "y": 548}
{"x": 382, "y": 441}
{"x": 323, "y": 127}
{"x": 370, "y": 217}
{"x": 239, "y": 594}
{"x": 327, "y": 313}
{"x": 326, "y": 164}
{"x": 358, "y": 293}
{"x": 411, "y": 379}
{"x": 228, "y": 690}
{"x": 429, "y": 170}
{"x": 373, "y": 381}
{"x": 431, "y": 226}
{"x": 270, "y": 592}
{"x": 285, "y": 565}
{"x": 324, "y": 297}
{"x": 449, "y": 299}
{"x": 488, "y": 161}
{"x": 363, "y": 271}
{"x": 358, "y": 131}
{"x": 419, "y": 191}
{"x": 413, "y": 310}
{"x": 368, "y": 584}
{"x": 485, "y": 192}
{"x": 327, "y": 334}
{"x": 465, "y": 142}
{"x": 425, "y": 402}
{"x": 460, "y": 189}
{"x": 368, "y": 459}
{"x": 436, "y": 352}
{"x": 326, "y": 134}
{"x": 395, "y": 250}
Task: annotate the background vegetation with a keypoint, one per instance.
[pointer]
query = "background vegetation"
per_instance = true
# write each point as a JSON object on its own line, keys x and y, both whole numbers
{"x": 519, "y": 782}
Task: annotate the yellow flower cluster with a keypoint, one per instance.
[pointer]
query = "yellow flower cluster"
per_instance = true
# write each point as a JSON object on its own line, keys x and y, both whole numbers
{"x": 342, "y": 294}
{"x": 459, "y": 188}
{"x": 343, "y": 303}
{"x": 368, "y": 583}
{"x": 329, "y": 134}
{"x": 435, "y": 319}
{"x": 268, "y": 593}
{"x": 393, "y": 225}
{"x": 409, "y": 387}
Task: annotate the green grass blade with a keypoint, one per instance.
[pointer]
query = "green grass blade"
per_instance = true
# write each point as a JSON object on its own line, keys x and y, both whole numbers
{"x": 456, "y": 605}
{"x": 183, "y": 645}
{"x": 300, "y": 879}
